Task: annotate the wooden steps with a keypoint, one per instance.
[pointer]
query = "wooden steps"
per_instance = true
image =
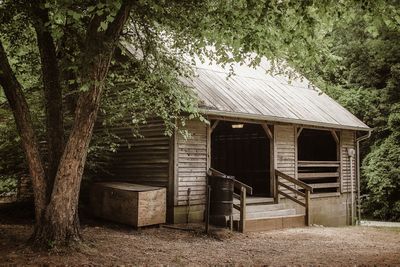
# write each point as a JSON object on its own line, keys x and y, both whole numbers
{"x": 272, "y": 223}
{"x": 264, "y": 217}
{"x": 256, "y": 201}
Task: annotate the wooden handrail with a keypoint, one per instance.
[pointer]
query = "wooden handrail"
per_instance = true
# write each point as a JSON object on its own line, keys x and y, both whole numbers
{"x": 238, "y": 184}
{"x": 292, "y": 180}
{"x": 306, "y": 195}
{"x": 212, "y": 171}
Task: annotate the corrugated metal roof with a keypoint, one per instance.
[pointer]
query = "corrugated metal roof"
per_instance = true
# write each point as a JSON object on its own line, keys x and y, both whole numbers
{"x": 254, "y": 94}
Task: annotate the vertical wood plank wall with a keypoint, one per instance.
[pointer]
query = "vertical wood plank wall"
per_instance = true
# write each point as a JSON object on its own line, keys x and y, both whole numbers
{"x": 285, "y": 151}
{"x": 347, "y": 139}
{"x": 192, "y": 164}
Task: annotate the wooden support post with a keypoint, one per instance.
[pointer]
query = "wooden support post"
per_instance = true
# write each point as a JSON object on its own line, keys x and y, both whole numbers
{"x": 242, "y": 226}
{"x": 307, "y": 200}
{"x": 276, "y": 189}
{"x": 207, "y": 219}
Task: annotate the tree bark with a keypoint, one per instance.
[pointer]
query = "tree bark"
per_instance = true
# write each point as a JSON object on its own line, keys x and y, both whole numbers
{"x": 15, "y": 97}
{"x": 52, "y": 94}
{"x": 60, "y": 223}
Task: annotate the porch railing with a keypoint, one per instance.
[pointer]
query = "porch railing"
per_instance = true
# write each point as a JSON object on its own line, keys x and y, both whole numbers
{"x": 244, "y": 189}
{"x": 323, "y": 176}
{"x": 304, "y": 199}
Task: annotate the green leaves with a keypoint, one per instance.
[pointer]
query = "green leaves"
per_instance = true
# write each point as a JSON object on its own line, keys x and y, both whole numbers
{"x": 382, "y": 170}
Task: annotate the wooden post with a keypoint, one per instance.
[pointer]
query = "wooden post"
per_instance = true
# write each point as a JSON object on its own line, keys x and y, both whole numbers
{"x": 208, "y": 209}
{"x": 276, "y": 188}
{"x": 242, "y": 226}
{"x": 307, "y": 200}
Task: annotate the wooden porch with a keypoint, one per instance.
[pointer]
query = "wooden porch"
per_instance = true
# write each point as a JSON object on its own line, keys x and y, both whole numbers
{"x": 263, "y": 213}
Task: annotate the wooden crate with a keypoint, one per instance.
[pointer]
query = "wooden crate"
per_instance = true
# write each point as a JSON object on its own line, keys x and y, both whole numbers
{"x": 132, "y": 204}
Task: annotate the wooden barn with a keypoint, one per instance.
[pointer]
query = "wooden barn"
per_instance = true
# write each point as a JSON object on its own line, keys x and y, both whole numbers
{"x": 292, "y": 149}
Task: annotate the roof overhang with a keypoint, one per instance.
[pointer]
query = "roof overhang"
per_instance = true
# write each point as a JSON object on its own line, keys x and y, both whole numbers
{"x": 258, "y": 117}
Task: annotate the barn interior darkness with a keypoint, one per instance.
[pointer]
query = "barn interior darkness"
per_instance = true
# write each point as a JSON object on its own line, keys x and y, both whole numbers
{"x": 319, "y": 146}
{"x": 243, "y": 150}
{"x": 316, "y": 145}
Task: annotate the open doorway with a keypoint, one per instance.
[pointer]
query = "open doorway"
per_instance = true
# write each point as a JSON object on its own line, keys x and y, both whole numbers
{"x": 243, "y": 150}
{"x": 318, "y": 159}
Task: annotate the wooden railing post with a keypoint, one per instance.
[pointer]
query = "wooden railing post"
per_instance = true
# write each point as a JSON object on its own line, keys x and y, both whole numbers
{"x": 207, "y": 219}
{"x": 276, "y": 185}
{"x": 307, "y": 200}
{"x": 242, "y": 226}
{"x": 306, "y": 195}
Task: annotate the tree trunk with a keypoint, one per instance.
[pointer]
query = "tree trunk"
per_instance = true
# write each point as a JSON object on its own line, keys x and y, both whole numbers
{"x": 60, "y": 224}
{"x": 52, "y": 94}
{"x": 57, "y": 221}
{"x": 13, "y": 91}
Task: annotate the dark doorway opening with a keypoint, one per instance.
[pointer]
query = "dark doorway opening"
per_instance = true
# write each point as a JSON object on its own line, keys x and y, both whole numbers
{"x": 316, "y": 145}
{"x": 318, "y": 160}
{"x": 243, "y": 150}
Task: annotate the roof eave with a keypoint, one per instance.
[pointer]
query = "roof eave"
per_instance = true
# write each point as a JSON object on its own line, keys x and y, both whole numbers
{"x": 282, "y": 120}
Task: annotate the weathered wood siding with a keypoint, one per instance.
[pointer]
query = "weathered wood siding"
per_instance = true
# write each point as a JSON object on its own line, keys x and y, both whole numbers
{"x": 347, "y": 141}
{"x": 285, "y": 149}
{"x": 142, "y": 160}
{"x": 285, "y": 152}
{"x": 191, "y": 164}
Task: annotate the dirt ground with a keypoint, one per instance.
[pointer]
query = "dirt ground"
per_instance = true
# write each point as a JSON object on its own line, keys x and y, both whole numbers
{"x": 111, "y": 244}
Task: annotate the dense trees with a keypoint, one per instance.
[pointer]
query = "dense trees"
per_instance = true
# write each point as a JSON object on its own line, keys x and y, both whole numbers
{"x": 365, "y": 78}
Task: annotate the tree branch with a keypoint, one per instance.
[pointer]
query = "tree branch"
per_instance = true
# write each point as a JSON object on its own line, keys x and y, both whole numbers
{"x": 15, "y": 97}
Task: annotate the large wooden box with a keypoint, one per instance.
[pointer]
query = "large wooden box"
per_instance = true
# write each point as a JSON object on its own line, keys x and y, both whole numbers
{"x": 133, "y": 204}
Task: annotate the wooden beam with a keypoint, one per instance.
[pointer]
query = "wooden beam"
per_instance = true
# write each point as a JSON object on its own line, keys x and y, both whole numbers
{"x": 267, "y": 131}
{"x": 292, "y": 189}
{"x": 239, "y": 185}
{"x": 325, "y": 185}
{"x": 237, "y": 207}
{"x": 318, "y": 164}
{"x": 242, "y": 222}
{"x": 292, "y": 180}
{"x": 299, "y": 132}
{"x": 318, "y": 175}
{"x": 307, "y": 206}
{"x": 335, "y": 136}
{"x": 212, "y": 127}
{"x": 172, "y": 176}
{"x": 291, "y": 198}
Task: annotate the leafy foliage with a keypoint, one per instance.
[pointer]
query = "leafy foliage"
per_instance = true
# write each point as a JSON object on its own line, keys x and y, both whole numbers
{"x": 8, "y": 185}
{"x": 382, "y": 173}
{"x": 364, "y": 77}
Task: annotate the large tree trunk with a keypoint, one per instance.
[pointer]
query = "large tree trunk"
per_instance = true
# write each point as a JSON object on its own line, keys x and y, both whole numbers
{"x": 60, "y": 223}
{"x": 52, "y": 94}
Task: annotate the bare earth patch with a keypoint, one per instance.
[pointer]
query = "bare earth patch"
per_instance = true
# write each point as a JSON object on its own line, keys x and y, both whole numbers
{"x": 119, "y": 245}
